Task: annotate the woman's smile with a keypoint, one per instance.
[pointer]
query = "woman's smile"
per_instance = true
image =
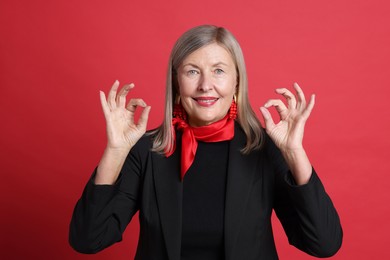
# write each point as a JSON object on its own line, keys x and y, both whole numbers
{"x": 206, "y": 101}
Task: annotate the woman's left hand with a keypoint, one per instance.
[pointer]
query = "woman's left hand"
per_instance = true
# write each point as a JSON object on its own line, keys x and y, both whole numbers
{"x": 288, "y": 133}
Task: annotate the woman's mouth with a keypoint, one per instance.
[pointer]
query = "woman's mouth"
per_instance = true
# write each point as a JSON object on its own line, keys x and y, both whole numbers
{"x": 206, "y": 101}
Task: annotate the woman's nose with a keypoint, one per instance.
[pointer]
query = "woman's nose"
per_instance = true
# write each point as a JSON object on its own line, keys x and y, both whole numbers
{"x": 205, "y": 83}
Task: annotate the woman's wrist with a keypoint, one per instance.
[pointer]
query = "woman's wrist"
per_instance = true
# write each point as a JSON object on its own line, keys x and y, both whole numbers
{"x": 299, "y": 164}
{"x": 110, "y": 165}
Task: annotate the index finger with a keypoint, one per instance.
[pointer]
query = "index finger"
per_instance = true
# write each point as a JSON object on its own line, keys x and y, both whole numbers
{"x": 121, "y": 97}
{"x": 288, "y": 96}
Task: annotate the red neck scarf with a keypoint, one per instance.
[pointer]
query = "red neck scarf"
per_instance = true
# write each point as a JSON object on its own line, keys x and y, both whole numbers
{"x": 221, "y": 130}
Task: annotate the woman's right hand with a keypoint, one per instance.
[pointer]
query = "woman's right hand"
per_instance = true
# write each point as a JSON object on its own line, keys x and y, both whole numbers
{"x": 122, "y": 131}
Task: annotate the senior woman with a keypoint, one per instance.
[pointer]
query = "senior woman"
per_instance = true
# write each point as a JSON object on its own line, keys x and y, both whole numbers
{"x": 206, "y": 181}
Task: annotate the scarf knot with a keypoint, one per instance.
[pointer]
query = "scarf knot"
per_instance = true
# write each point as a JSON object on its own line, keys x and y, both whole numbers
{"x": 222, "y": 130}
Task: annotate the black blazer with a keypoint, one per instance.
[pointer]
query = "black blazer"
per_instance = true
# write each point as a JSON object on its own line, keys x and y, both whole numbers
{"x": 256, "y": 184}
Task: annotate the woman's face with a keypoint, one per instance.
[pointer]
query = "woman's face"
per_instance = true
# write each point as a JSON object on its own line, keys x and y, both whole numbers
{"x": 207, "y": 81}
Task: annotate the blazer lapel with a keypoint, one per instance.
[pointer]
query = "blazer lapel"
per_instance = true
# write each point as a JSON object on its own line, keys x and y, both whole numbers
{"x": 166, "y": 172}
{"x": 241, "y": 171}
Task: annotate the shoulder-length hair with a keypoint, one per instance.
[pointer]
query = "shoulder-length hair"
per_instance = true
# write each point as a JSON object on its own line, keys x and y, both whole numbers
{"x": 189, "y": 42}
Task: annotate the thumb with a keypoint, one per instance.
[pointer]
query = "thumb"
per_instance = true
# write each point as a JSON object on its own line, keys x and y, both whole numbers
{"x": 143, "y": 119}
{"x": 268, "y": 121}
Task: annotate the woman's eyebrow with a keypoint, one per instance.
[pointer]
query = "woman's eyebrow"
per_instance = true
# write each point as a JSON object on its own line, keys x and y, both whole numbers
{"x": 190, "y": 64}
{"x": 220, "y": 63}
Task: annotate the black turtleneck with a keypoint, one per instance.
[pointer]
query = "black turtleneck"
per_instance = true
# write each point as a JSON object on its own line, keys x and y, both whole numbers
{"x": 204, "y": 187}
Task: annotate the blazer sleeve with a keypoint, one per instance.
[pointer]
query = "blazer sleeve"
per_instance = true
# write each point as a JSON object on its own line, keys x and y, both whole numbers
{"x": 306, "y": 212}
{"x": 103, "y": 211}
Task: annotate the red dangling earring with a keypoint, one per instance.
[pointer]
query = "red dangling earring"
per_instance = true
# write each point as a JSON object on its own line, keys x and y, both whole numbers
{"x": 233, "y": 109}
{"x": 178, "y": 110}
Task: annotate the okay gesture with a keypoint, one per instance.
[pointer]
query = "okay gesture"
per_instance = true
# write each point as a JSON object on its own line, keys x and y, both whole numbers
{"x": 122, "y": 130}
{"x": 288, "y": 133}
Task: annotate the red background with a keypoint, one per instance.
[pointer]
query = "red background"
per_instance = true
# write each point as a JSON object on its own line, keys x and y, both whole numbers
{"x": 55, "y": 56}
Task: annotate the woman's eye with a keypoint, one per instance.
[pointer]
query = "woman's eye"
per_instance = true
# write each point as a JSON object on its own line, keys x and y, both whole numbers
{"x": 192, "y": 72}
{"x": 218, "y": 71}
